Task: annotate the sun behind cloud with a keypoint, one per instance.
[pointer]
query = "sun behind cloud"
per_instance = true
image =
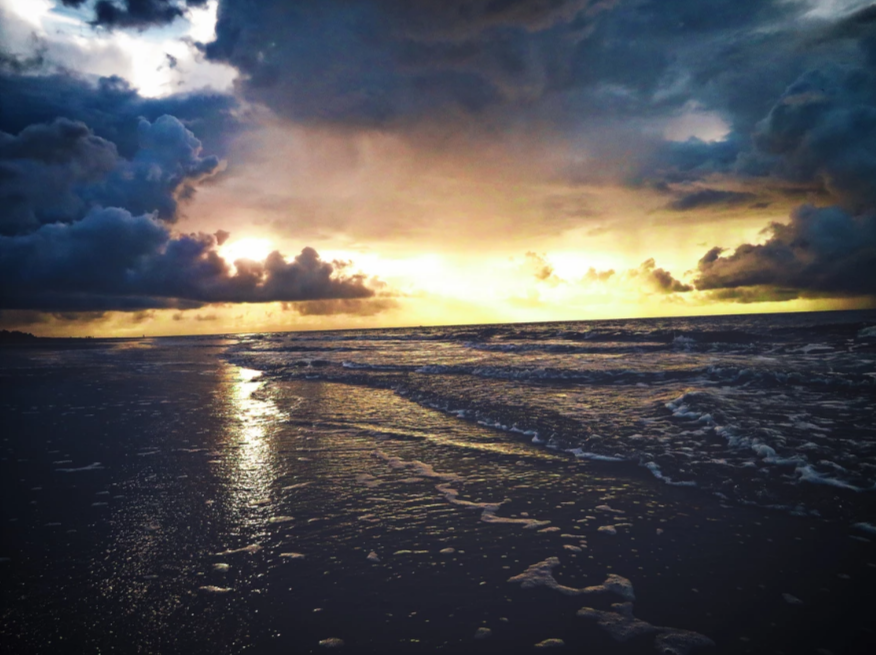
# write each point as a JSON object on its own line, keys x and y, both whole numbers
{"x": 253, "y": 248}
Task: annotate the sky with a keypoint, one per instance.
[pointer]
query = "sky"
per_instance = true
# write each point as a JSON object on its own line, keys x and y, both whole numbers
{"x": 213, "y": 166}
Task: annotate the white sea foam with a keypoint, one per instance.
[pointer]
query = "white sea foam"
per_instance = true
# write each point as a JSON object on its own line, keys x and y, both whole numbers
{"x": 681, "y": 642}
{"x": 281, "y": 519}
{"x": 95, "y": 466}
{"x": 213, "y": 589}
{"x": 540, "y": 574}
{"x": 482, "y": 633}
{"x": 252, "y": 549}
{"x": 608, "y": 508}
{"x": 373, "y": 557}
{"x": 292, "y": 555}
{"x": 488, "y": 510}
{"x": 582, "y": 454}
{"x": 809, "y": 474}
{"x": 550, "y": 643}
{"x": 657, "y": 473}
{"x": 621, "y": 625}
{"x": 421, "y": 468}
{"x": 368, "y": 480}
{"x": 331, "y": 642}
{"x": 866, "y": 527}
{"x": 615, "y": 584}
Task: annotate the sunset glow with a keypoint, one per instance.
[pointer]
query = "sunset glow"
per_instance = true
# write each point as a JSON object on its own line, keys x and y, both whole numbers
{"x": 403, "y": 183}
{"x": 254, "y": 249}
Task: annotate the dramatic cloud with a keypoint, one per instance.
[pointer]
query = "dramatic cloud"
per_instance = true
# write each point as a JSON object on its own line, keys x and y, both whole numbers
{"x": 824, "y": 251}
{"x": 710, "y": 198}
{"x": 113, "y": 260}
{"x": 822, "y": 132}
{"x": 384, "y": 62}
{"x": 58, "y": 172}
{"x": 659, "y": 279}
{"x": 138, "y": 14}
{"x": 112, "y": 109}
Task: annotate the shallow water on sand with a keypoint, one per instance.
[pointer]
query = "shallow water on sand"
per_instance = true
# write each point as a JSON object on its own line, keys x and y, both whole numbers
{"x": 159, "y": 498}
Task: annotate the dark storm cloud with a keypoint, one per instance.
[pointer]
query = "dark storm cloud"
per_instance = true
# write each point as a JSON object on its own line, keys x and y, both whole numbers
{"x": 385, "y": 62}
{"x": 822, "y": 250}
{"x": 710, "y": 198}
{"x": 112, "y": 109}
{"x": 822, "y": 131}
{"x": 57, "y": 172}
{"x": 820, "y": 135}
{"x": 659, "y": 278}
{"x": 138, "y": 14}
{"x": 113, "y": 260}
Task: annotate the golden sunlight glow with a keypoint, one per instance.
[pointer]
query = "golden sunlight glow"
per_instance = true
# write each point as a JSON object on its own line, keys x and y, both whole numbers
{"x": 252, "y": 449}
{"x": 250, "y": 248}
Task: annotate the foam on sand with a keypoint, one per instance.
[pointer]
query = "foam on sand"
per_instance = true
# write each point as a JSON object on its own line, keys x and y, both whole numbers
{"x": 368, "y": 480}
{"x": 421, "y": 468}
{"x": 869, "y": 528}
{"x": 623, "y": 626}
{"x": 620, "y": 624}
{"x": 550, "y": 643}
{"x": 614, "y": 584}
{"x": 94, "y": 466}
{"x": 681, "y": 642}
{"x": 252, "y": 549}
{"x": 488, "y": 510}
{"x": 540, "y": 574}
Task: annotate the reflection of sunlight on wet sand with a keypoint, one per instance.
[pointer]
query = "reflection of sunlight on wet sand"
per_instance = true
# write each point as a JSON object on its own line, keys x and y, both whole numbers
{"x": 252, "y": 451}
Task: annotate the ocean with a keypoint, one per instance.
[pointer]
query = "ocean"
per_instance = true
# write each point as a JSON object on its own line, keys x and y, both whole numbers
{"x": 672, "y": 485}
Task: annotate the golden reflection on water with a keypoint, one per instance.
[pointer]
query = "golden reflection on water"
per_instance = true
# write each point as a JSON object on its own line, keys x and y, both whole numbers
{"x": 250, "y": 449}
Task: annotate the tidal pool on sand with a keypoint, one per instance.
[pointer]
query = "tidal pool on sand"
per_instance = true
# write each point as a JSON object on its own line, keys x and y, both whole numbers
{"x": 161, "y": 496}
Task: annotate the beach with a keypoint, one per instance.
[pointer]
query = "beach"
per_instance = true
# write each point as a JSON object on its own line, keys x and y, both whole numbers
{"x": 295, "y": 493}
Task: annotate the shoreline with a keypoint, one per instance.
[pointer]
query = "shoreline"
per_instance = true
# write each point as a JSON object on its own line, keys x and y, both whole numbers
{"x": 229, "y": 512}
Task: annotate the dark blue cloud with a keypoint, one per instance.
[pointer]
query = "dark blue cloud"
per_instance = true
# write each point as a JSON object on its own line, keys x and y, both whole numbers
{"x": 137, "y": 14}
{"x": 710, "y": 198}
{"x": 823, "y": 251}
{"x": 113, "y": 260}
{"x": 57, "y": 172}
{"x": 112, "y": 109}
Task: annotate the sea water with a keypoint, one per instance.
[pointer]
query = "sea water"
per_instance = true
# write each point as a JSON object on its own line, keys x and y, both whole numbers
{"x": 663, "y": 485}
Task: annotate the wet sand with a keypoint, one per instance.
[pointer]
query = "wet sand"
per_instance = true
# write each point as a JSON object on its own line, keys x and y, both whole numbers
{"x": 159, "y": 499}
